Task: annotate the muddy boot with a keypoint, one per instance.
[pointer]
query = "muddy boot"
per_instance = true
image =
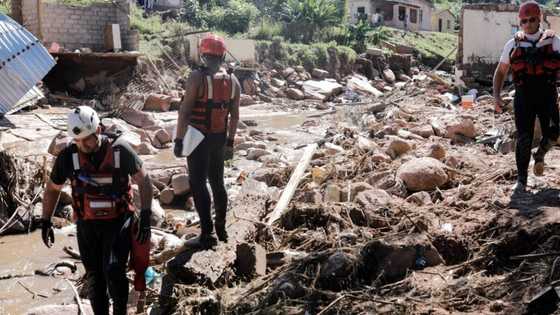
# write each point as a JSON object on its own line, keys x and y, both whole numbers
{"x": 538, "y": 168}
{"x": 203, "y": 241}
{"x": 221, "y": 232}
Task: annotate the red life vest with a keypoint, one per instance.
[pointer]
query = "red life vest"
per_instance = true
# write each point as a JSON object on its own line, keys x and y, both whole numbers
{"x": 103, "y": 193}
{"x": 534, "y": 60}
{"x": 211, "y": 110}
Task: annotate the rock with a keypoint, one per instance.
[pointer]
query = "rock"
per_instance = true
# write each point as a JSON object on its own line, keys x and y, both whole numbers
{"x": 450, "y": 126}
{"x": 332, "y": 193}
{"x": 145, "y": 148}
{"x": 424, "y": 131}
{"x": 336, "y": 273}
{"x": 377, "y": 197}
{"x": 405, "y": 134}
{"x": 295, "y": 94}
{"x": 138, "y": 118}
{"x": 157, "y": 102}
{"x": 324, "y": 88}
{"x": 300, "y": 69}
{"x": 374, "y": 52}
{"x": 166, "y": 196}
{"x": 380, "y": 157}
{"x": 287, "y": 72}
{"x": 437, "y": 151}
{"x": 164, "y": 175}
{"x": 251, "y": 260}
{"x": 163, "y": 136}
{"x": 420, "y": 198}
{"x": 333, "y": 149}
{"x": 452, "y": 162}
{"x": 388, "y": 76}
{"x": 397, "y": 147}
{"x": 251, "y": 145}
{"x": 404, "y": 77}
{"x": 180, "y": 184}
{"x": 319, "y": 74}
{"x": 319, "y": 175}
{"x": 277, "y": 82}
{"x": 356, "y": 188}
{"x": 414, "y": 71}
{"x": 423, "y": 174}
{"x": 361, "y": 84}
{"x": 254, "y": 154}
{"x": 246, "y": 100}
{"x": 391, "y": 259}
{"x": 59, "y": 143}
{"x": 366, "y": 144}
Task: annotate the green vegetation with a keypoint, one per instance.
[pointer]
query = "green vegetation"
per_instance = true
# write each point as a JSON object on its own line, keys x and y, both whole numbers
{"x": 429, "y": 44}
{"x": 309, "y": 56}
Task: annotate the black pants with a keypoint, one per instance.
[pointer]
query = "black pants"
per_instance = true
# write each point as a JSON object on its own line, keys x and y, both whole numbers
{"x": 104, "y": 248}
{"x": 207, "y": 162}
{"x": 531, "y": 101}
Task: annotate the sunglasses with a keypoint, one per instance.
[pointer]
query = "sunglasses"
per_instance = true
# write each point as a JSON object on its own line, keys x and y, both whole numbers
{"x": 529, "y": 20}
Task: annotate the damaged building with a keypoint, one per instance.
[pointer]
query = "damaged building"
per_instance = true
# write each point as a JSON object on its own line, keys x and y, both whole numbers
{"x": 413, "y": 15}
{"x": 94, "y": 46}
{"x": 479, "y": 50}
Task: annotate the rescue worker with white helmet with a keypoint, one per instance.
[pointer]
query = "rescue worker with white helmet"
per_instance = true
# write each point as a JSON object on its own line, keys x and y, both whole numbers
{"x": 211, "y": 105}
{"x": 100, "y": 173}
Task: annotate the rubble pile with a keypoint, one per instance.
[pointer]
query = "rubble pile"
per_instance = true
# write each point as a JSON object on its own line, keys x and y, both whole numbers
{"x": 404, "y": 198}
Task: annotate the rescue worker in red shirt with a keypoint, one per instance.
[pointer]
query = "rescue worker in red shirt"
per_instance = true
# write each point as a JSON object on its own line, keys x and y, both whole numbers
{"x": 99, "y": 171}
{"x": 211, "y": 105}
{"x": 534, "y": 58}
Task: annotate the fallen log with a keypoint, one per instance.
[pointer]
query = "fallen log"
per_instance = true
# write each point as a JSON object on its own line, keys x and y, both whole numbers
{"x": 293, "y": 183}
{"x": 206, "y": 267}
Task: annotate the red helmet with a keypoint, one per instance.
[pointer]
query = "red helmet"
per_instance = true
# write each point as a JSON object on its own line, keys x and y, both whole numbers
{"x": 529, "y": 9}
{"x": 212, "y": 45}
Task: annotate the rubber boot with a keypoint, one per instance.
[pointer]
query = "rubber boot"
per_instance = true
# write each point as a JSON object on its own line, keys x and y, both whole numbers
{"x": 221, "y": 232}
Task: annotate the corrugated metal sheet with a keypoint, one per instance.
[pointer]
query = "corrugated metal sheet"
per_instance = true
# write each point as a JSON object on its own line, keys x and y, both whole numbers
{"x": 24, "y": 61}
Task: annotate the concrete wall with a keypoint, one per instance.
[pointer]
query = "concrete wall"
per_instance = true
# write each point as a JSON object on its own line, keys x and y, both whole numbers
{"x": 447, "y": 22}
{"x": 75, "y": 27}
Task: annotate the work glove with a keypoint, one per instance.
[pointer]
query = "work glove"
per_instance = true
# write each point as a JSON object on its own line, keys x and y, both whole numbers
{"x": 178, "y": 149}
{"x": 47, "y": 232}
{"x": 144, "y": 226}
{"x": 228, "y": 150}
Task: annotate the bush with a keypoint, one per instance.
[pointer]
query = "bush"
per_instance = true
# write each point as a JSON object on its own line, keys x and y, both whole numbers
{"x": 149, "y": 25}
{"x": 266, "y": 30}
{"x": 234, "y": 18}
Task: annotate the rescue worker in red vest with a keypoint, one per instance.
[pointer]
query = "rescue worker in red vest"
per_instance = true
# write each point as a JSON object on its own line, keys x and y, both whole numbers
{"x": 99, "y": 172}
{"x": 534, "y": 58}
{"x": 211, "y": 105}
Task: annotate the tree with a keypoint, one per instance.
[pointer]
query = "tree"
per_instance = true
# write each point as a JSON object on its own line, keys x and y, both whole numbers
{"x": 304, "y": 18}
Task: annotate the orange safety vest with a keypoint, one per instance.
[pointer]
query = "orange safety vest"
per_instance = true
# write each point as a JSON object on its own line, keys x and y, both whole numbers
{"x": 103, "y": 193}
{"x": 211, "y": 110}
{"x": 534, "y": 60}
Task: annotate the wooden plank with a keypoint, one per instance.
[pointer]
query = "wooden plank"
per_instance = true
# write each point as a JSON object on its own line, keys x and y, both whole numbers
{"x": 291, "y": 187}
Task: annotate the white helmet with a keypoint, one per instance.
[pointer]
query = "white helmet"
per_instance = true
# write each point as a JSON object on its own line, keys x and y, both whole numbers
{"x": 82, "y": 122}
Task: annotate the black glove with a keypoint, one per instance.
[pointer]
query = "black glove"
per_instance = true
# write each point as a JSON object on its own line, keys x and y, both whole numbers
{"x": 178, "y": 149}
{"x": 144, "y": 226}
{"x": 47, "y": 232}
{"x": 228, "y": 151}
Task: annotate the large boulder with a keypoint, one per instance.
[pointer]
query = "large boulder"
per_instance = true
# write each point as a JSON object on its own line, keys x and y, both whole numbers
{"x": 294, "y": 94}
{"x": 422, "y": 174}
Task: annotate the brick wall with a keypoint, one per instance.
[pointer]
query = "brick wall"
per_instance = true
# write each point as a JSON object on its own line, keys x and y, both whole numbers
{"x": 29, "y": 16}
{"x": 76, "y": 26}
